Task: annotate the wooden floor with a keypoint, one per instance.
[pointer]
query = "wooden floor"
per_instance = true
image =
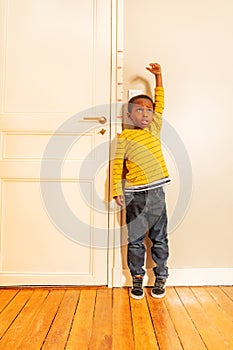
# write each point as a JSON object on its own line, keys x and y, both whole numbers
{"x": 101, "y": 318}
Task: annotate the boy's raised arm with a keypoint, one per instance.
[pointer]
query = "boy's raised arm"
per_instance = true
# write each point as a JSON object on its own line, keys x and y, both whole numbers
{"x": 155, "y": 69}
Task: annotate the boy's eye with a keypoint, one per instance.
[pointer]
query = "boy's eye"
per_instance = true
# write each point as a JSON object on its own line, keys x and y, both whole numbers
{"x": 149, "y": 110}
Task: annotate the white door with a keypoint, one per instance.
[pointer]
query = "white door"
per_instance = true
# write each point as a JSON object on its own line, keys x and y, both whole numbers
{"x": 55, "y": 114}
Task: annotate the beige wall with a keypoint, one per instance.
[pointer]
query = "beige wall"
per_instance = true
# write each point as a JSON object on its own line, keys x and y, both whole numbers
{"x": 193, "y": 42}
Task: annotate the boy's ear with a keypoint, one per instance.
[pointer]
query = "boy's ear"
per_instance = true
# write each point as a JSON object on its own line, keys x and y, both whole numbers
{"x": 129, "y": 115}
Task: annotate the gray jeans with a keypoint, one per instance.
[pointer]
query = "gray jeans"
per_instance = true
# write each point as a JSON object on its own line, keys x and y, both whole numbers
{"x": 147, "y": 211}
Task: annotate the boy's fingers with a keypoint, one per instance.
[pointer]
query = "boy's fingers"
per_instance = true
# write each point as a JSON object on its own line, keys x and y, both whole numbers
{"x": 120, "y": 201}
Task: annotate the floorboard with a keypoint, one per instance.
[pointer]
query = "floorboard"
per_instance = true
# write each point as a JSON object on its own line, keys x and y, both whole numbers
{"x": 101, "y": 318}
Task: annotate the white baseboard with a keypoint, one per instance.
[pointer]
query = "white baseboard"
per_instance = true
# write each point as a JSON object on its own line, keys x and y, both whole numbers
{"x": 121, "y": 278}
{"x": 180, "y": 277}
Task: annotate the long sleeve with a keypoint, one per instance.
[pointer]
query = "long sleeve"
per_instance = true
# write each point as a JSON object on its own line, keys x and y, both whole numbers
{"x": 159, "y": 99}
{"x": 159, "y": 106}
{"x": 118, "y": 168}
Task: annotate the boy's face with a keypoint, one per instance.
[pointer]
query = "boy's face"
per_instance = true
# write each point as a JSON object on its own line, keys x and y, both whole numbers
{"x": 142, "y": 113}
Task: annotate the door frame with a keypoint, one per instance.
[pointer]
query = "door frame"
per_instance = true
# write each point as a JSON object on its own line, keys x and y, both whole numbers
{"x": 114, "y": 251}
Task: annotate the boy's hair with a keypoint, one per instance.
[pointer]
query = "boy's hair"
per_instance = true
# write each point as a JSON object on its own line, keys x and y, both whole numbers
{"x": 134, "y": 98}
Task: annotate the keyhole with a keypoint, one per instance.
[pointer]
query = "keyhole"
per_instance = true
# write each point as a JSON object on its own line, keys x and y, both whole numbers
{"x": 102, "y": 131}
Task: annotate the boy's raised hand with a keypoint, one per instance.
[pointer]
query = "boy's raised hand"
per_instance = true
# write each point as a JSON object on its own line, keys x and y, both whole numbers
{"x": 154, "y": 68}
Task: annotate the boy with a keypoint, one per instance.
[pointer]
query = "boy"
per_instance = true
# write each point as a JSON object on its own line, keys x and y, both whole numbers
{"x": 139, "y": 151}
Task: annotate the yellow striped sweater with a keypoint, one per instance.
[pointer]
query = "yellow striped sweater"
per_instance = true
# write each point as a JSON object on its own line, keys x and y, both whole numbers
{"x": 140, "y": 151}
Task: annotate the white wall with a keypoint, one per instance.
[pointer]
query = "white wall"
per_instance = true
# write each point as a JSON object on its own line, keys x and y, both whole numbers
{"x": 193, "y": 42}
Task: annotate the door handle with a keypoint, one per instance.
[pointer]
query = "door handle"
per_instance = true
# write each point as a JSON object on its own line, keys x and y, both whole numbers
{"x": 101, "y": 120}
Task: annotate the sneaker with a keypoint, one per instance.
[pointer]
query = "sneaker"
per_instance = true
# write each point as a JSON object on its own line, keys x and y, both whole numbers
{"x": 137, "y": 290}
{"x": 159, "y": 291}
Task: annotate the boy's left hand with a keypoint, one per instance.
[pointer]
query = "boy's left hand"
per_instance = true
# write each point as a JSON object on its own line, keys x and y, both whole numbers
{"x": 154, "y": 68}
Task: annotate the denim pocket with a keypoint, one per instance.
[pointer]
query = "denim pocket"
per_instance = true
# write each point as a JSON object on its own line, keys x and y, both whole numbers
{"x": 128, "y": 198}
{"x": 159, "y": 193}
{"x": 156, "y": 201}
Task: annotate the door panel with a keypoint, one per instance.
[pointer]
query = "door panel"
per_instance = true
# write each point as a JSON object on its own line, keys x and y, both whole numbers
{"x": 55, "y": 69}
